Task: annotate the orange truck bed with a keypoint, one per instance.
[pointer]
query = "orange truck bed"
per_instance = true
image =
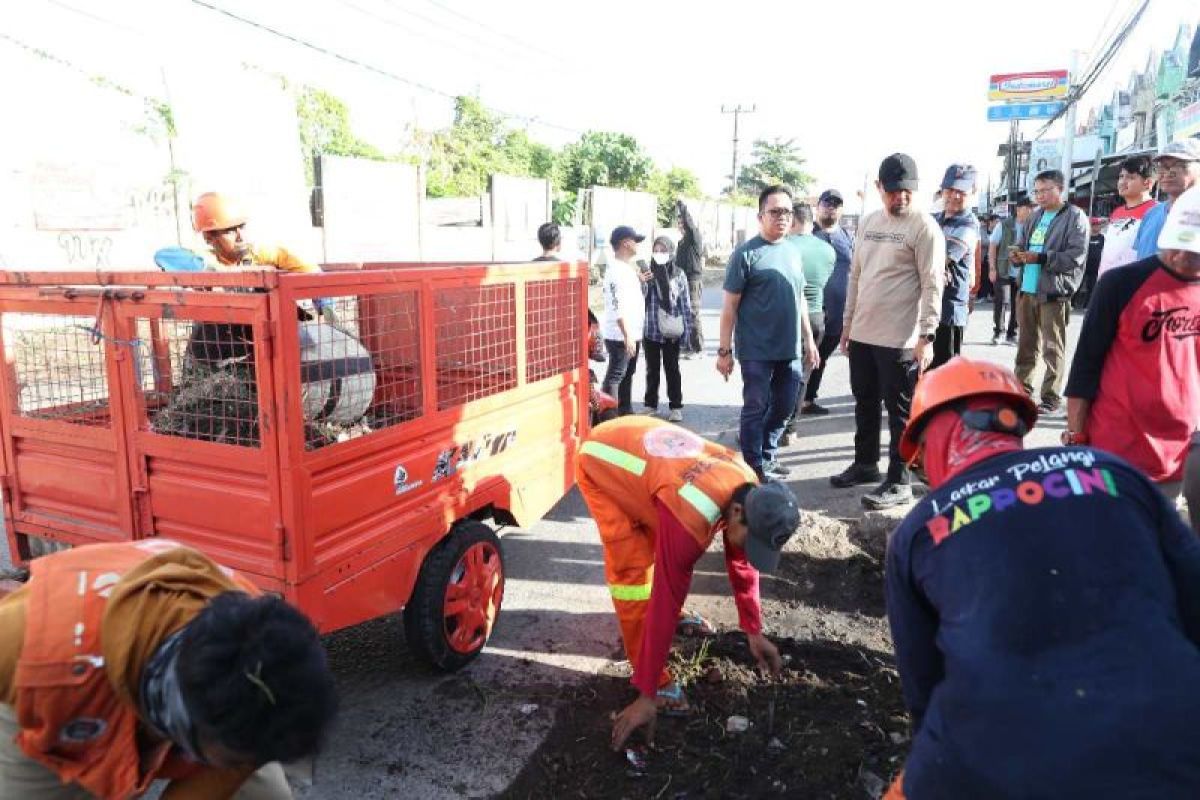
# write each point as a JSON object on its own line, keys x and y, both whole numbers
{"x": 324, "y": 459}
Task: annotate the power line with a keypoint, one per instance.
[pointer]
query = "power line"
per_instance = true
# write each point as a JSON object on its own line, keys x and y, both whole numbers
{"x": 1112, "y": 47}
{"x": 369, "y": 67}
{"x": 525, "y": 46}
{"x": 451, "y": 43}
{"x": 441, "y": 25}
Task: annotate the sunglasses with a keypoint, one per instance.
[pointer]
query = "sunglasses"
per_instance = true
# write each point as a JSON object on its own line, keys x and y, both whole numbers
{"x": 779, "y": 213}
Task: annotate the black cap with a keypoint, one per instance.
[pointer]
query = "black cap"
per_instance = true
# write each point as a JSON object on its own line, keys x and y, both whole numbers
{"x": 897, "y": 172}
{"x": 772, "y": 516}
{"x": 960, "y": 177}
{"x": 831, "y": 196}
{"x": 622, "y": 232}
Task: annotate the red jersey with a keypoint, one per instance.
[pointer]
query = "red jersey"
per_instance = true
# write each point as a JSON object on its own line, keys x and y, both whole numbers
{"x": 1138, "y": 361}
{"x": 1120, "y": 235}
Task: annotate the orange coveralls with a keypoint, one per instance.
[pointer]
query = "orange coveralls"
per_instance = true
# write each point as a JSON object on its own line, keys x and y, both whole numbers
{"x": 638, "y": 476}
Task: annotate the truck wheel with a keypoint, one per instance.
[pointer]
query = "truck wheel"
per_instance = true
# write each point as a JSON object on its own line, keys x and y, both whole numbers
{"x": 457, "y": 597}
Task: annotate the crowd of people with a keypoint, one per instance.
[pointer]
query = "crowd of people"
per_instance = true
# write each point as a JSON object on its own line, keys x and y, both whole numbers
{"x": 896, "y": 300}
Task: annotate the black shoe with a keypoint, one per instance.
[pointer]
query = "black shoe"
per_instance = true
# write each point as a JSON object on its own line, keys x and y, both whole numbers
{"x": 1011, "y": 341}
{"x": 888, "y": 495}
{"x": 776, "y": 470}
{"x": 813, "y": 410}
{"x": 786, "y": 439}
{"x": 1049, "y": 407}
{"x": 855, "y": 475}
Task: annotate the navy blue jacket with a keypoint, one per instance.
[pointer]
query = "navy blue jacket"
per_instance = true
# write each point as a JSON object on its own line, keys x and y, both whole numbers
{"x": 1045, "y": 608}
{"x": 839, "y": 281}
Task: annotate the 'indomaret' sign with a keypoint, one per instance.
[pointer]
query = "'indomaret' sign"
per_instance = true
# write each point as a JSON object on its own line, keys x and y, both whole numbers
{"x": 1027, "y": 87}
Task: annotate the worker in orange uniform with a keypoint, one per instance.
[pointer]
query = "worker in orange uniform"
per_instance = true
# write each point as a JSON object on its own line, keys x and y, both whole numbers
{"x": 121, "y": 664}
{"x": 1044, "y": 607}
{"x": 659, "y": 494}
{"x": 223, "y": 225}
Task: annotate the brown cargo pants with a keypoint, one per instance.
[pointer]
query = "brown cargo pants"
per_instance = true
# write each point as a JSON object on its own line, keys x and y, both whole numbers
{"x": 1042, "y": 336}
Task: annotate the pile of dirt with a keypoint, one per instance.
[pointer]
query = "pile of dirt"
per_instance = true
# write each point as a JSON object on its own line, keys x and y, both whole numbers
{"x": 831, "y": 726}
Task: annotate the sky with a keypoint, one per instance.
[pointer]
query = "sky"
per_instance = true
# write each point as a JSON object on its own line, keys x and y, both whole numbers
{"x": 849, "y": 82}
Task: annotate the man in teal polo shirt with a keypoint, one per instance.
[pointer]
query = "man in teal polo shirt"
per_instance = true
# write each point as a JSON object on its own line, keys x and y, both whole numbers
{"x": 764, "y": 304}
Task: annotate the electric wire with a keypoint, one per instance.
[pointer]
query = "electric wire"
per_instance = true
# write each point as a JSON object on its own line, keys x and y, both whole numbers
{"x": 371, "y": 67}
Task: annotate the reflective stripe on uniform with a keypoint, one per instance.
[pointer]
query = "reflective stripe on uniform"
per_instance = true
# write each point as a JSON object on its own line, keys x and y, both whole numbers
{"x": 620, "y": 592}
{"x": 619, "y": 458}
{"x": 701, "y": 502}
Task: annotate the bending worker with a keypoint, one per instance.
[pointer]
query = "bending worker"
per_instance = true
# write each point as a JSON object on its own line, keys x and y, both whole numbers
{"x": 659, "y": 494}
{"x": 1045, "y": 609}
{"x": 122, "y": 664}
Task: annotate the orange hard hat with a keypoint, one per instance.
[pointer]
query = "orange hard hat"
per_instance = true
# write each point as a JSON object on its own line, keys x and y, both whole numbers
{"x": 958, "y": 379}
{"x": 215, "y": 212}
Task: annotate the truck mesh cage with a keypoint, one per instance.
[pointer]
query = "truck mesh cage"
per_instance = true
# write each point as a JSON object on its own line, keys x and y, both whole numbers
{"x": 475, "y": 330}
{"x": 552, "y": 307}
{"x": 59, "y": 366}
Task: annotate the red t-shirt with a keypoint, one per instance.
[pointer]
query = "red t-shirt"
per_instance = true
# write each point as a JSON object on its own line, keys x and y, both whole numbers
{"x": 1138, "y": 361}
{"x": 676, "y": 552}
{"x": 1120, "y": 235}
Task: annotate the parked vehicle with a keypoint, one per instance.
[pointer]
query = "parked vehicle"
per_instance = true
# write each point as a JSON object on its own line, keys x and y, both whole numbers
{"x": 348, "y": 461}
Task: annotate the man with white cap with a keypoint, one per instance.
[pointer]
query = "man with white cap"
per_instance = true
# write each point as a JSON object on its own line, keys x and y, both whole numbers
{"x": 1135, "y": 381}
{"x": 1178, "y": 170}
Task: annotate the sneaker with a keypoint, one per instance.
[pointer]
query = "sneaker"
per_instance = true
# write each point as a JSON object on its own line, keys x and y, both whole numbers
{"x": 995, "y": 340}
{"x": 814, "y": 410}
{"x": 688, "y": 356}
{"x": 648, "y": 411}
{"x": 1049, "y": 407}
{"x": 855, "y": 475}
{"x": 888, "y": 495}
{"x": 676, "y": 415}
{"x": 775, "y": 470}
{"x": 1011, "y": 341}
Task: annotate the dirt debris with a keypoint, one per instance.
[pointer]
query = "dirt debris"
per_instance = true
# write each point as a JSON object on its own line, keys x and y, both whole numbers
{"x": 833, "y": 725}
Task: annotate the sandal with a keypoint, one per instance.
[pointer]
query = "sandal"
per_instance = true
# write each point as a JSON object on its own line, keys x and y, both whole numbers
{"x": 672, "y": 702}
{"x": 693, "y": 625}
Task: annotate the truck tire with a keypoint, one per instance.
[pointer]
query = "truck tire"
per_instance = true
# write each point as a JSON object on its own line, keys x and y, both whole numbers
{"x": 457, "y": 597}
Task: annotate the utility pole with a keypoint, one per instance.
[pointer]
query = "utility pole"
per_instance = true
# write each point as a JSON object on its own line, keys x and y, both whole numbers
{"x": 1069, "y": 133}
{"x": 737, "y": 112}
{"x": 1013, "y": 164}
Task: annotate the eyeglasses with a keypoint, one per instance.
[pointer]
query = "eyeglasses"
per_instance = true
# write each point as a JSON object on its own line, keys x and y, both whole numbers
{"x": 1045, "y": 191}
{"x": 779, "y": 213}
{"x": 1178, "y": 168}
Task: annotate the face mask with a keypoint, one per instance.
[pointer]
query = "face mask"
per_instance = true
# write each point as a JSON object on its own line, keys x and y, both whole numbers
{"x": 661, "y": 258}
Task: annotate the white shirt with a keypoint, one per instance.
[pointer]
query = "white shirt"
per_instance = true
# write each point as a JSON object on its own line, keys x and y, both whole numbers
{"x": 623, "y": 299}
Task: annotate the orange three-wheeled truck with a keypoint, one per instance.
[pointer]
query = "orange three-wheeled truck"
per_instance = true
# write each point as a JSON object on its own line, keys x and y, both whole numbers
{"x": 346, "y": 461}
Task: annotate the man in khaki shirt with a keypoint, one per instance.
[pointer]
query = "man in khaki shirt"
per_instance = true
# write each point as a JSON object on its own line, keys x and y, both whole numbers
{"x": 893, "y": 305}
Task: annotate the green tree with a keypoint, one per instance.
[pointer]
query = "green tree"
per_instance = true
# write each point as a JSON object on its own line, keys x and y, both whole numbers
{"x": 479, "y": 144}
{"x": 771, "y": 162}
{"x": 602, "y": 158}
{"x": 325, "y": 129}
{"x": 669, "y": 186}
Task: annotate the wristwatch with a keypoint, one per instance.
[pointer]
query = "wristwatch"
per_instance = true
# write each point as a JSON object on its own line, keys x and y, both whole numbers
{"x": 724, "y": 351}
{"x": 1074, "y": 438}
